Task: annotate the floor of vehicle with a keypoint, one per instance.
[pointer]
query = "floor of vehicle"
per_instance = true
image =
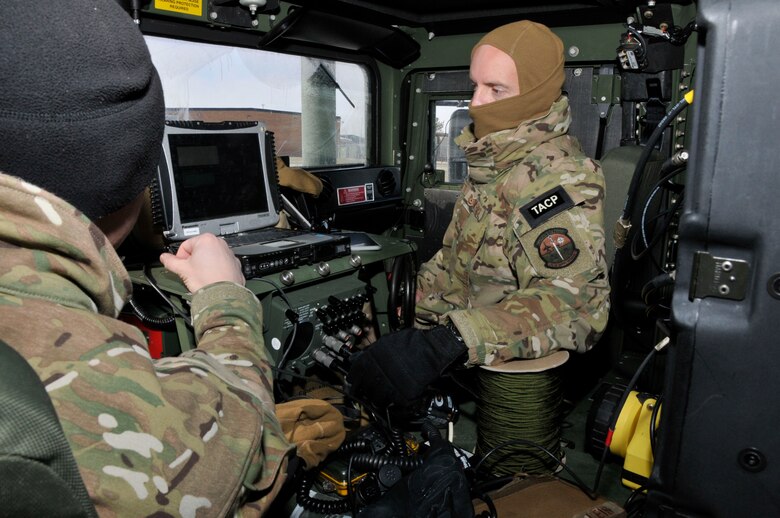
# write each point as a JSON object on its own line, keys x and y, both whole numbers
{"x": 573, "y": 437}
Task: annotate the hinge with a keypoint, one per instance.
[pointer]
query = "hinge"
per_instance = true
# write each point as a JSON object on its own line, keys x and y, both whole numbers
{"x": 719, "y": 277}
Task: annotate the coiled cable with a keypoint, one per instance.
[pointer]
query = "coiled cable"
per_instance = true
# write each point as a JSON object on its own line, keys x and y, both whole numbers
{"x": 318, "y": 505}
{"x": 145, "y": 317}
{"x": 370, "y": 461}
{"x": 398, "y": 445}
{"x": 519, "y": 408}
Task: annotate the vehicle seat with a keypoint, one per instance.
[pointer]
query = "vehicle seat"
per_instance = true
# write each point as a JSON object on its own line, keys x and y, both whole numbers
{"x": 38, "y": 474}
{"x": 618, "y": 166}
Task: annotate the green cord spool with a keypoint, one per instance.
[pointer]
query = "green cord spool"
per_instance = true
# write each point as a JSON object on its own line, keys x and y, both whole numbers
{"x": 524, "y": 407}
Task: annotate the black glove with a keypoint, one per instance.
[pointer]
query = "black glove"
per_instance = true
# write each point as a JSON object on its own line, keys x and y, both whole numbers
{"x": 398, "y": 367}
{"x": 437, "y": 489}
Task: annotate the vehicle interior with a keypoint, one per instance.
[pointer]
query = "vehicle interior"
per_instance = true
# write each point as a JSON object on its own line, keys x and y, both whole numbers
{"x": 351, "y": 108}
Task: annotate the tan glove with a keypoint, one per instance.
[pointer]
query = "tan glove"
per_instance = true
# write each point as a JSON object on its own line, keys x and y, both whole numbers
{"x": 315, "y": 426}
{"x": 298, "y": 179}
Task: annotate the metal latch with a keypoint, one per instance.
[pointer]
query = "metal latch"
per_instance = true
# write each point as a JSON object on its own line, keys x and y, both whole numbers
{"x": 718, "y": 277}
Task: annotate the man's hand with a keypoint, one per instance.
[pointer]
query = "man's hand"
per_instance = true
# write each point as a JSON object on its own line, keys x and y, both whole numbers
{"x": 204, "y": 260}
{"x": 397, "y": 368}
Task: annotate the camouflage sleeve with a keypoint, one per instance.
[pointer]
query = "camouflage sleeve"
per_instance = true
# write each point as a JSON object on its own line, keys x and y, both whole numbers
{"x": 554, "y": 245}
{"x": 227, "y": 319}
{"x": 228, "y": 330}
{"x": 549, "y": 314}
{"x": 430, "y": 275}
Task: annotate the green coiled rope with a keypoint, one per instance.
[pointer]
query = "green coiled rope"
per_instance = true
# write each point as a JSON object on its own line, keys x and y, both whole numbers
{"x": 525, "y": 407}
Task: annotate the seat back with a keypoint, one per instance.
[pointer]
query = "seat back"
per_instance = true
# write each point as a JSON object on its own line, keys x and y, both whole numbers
{"x": 618, "y": 166}
{"x": 38, "y": 473}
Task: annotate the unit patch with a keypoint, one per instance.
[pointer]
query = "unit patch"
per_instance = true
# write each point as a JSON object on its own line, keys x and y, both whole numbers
{"x": 556, "y": 248}
{"x": 546, "y": 206}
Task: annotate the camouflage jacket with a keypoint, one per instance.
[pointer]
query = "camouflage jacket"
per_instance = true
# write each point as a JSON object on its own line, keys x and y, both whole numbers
{"x": 194, "y": 435}
{"x": 522, "y": 270}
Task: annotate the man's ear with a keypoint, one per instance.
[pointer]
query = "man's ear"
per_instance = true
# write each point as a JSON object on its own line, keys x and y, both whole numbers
{"x": 118, "y": 225}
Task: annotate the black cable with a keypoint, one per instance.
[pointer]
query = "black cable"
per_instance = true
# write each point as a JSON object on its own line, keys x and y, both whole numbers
{"x": 492, "y": 511}
{"x": 657, "y": 283}
{"x": 645, "y": 156}
{"x": 591, "y": 494}
{"x": 630, "y": 503}
{"x": 452, "y": 375}
{"x": 397, "y": 443}
{"x": 661, "y": 231}
{"x": 277, "y": 288}
{"x": 372, "y": 461}
{"x": 668, "y": 216}
{"x": 366, "y": 406}
{"x": 668, "y": 171}
{"x": 616, "y": 409}
{"x": 678, "y": 35}
{"x": 317, "y": 505}
{"x": 637, "y": 255}
{"x": 294, "y": 320}
{"x": 618, "y": 275}
{"x": 286, "y": 352}
{"x": 638, "y": 35}
{"x": 656, "y": 188}
{"x": 158, "y": 321}
{"x": 350, "y": 490}
{"x": 156, "y": 288}
{"x": 310, "y": 378}
{"x": 653, "y": 427}
{"x": 354, "y": 445}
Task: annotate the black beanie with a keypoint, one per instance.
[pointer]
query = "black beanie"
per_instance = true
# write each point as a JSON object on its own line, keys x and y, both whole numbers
{"x": 81, "y": 105}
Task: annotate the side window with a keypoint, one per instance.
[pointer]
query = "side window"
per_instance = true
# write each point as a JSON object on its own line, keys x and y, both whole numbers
{"x": 450, "y": 116}
{"x": 318, "y": 109}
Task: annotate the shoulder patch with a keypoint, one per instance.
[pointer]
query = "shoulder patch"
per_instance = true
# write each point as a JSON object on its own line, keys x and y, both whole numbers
{"x": 559, "y": 247}
{"x": 556, "y": 248}
{"x": 545, "y": 206}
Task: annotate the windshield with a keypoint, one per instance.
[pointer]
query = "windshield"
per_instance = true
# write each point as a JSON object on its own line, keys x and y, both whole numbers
{"x": 316, "y": 108}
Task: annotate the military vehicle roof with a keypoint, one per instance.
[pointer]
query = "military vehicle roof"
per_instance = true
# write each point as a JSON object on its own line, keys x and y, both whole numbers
{"x": 444, "y": 17}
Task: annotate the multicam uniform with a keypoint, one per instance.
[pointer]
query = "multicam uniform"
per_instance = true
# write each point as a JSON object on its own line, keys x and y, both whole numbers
{"x": 187, "y": 436}
{"x": 522, "y": 270}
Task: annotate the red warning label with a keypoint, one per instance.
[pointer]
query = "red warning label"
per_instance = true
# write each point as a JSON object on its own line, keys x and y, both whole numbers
{"x": 356, "y": 194}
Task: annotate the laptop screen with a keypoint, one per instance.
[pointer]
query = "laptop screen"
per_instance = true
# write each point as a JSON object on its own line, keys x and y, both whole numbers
{"x": 217, "y": 175}
{"x": 218, "y": 178}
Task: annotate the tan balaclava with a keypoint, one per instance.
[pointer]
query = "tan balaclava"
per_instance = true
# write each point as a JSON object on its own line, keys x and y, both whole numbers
{"x": 538, "y": 57}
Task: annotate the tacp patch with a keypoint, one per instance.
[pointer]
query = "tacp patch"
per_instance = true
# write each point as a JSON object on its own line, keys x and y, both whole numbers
{"x": 559, "y": 247}
{"x": 556, "y": 248}
{"x": 545, "y": 206}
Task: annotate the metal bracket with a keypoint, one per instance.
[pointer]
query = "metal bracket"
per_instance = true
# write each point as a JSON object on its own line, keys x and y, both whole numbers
{"x": 719, "y": 277}
{"x": 605, "y": 90}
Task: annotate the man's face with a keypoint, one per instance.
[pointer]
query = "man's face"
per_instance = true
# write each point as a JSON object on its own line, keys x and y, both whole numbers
{"x": 493, "y": 74}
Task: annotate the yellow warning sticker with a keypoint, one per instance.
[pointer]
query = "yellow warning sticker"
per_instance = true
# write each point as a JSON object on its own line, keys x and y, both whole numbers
{"x": 193, "y": 7}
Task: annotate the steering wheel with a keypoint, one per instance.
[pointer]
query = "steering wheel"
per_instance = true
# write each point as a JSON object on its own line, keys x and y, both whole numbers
{"x": 402, "y": 288}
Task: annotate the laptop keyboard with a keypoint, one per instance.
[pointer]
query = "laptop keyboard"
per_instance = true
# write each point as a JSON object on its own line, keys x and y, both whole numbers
{"x": 259, "y": 236}
{"x": 255, "y": 236}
